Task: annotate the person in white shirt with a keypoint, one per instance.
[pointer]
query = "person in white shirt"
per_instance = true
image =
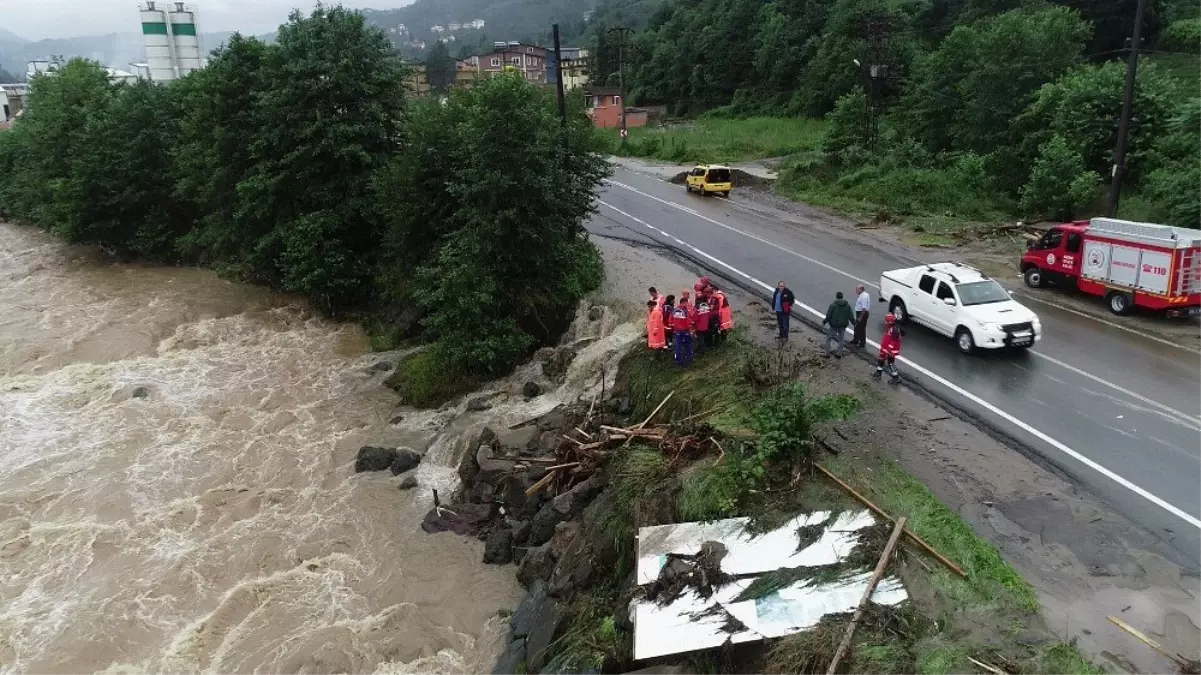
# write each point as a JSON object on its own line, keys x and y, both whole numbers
{"x": 863, "y": 305}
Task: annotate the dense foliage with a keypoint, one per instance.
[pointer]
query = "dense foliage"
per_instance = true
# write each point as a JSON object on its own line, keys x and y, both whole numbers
{"x": 982, "y": 100}
{"x": 301, "y": 165}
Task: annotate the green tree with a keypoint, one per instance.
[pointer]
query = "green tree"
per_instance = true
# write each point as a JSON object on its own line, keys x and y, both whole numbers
{"x": 964, "y": 95}
{"x": 1175, "y": 169}
{"x": 1083, "y": 108}
{"x": 120, "y": 187}
{"x": 1059, "y": 185}
{"x": 328, "y": 119}
{"x": 440, "y": 67}
{"x": 847, "y": 123}
{"x": 220, "y": 120}
{"x": 50, "y": 131}
{"x": 506, "y": 180}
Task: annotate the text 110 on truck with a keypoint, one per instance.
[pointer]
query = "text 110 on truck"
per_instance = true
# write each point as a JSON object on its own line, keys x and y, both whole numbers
{"x": 1130, "y": 264}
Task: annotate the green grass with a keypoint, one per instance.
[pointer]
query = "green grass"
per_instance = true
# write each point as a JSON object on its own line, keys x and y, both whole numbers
{"x": 714, "y": 140}
{"x": 991, "y": 581}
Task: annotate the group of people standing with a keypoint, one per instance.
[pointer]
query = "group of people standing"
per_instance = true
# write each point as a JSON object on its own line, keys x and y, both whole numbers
{"x": 841, "y": 315}
{"x": 688, "y": 325}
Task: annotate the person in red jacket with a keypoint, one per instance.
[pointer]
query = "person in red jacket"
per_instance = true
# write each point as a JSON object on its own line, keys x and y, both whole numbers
{"x": 890, "y": 349}
{"x": 682, "y": 320}
{"x": 703, "y": 321}
{"x": 655, "y": 338}
{"x": 669, "y": 306}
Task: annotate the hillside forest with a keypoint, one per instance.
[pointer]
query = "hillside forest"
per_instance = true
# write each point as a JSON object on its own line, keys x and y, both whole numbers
{"x": 303, "y": 165}
{"x": 986, "y": 109}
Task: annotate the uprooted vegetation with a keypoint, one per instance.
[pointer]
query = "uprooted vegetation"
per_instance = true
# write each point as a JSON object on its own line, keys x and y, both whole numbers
{"x": 716, "y": 441}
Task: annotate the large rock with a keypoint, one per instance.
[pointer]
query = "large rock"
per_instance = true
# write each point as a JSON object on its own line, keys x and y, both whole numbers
{"x": 492, "y": 467}
{"x": 548, "y": 441}
{"x": 556, "y": 366}
{"x": 514, "y": 441}
{"x": 479, "y": 403}
{"x": 585, "y": 556}
{"x": 522, "y": 621}
{"x": 542, "y": 527}
{"x": 381, "y": 367}
{"x": 531, "y": 389}
{"x": 372, "y": 458}
{"x": 548, "y": 619}
{"x": 460, "y": 518}
{"x": 140, "y": 392}
{"x": 538, "y": 564}
{"x": 468, "y": 467}
{"x": 404, "y": 460}
{"x": 499, "y": 548}
{"x": 511, "y": 659}
{"x": 408, "y": 483}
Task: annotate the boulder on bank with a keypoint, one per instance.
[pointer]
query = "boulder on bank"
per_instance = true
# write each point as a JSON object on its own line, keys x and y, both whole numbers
{"x": 479, "y": 403}
{"x": 141, "y": 392}
{"x": 404, "y": 460}
{"x": 460, "y": 518}
{"x": 408, "y": 483}
{"x": 498, "y": 550}
{"x": 531, "y": 389}
{"x": 373, "y": 458}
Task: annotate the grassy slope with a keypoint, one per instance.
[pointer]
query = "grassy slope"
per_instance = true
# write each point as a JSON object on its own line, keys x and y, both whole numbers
{"x": 714, "y": 140}
{"x": 950, "y": 619}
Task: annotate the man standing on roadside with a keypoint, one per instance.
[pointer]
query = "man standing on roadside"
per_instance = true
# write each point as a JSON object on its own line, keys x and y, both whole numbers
{"x": 838, "y": 317}
{"x": 781, "y": 304}
{"x": 863, "y": 305}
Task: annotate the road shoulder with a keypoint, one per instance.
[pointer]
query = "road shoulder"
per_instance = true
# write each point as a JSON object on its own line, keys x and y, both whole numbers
{"x": 1085, "y": 561}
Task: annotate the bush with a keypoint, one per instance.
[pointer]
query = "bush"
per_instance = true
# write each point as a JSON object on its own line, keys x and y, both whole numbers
{"x": 1059, "y": 185}
{"x": 847, "y": 123}
{"x": 429, "y": 379}
{"x": 1182, "y": 36}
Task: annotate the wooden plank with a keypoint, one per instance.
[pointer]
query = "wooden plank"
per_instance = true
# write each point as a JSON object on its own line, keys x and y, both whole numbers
{"x": 541, "y": 483}
{"x": 656, "y": 410}
{"x": 881, "y": 566}
{"x": 1142, "y": 637}
{"x": 880, "y": 512}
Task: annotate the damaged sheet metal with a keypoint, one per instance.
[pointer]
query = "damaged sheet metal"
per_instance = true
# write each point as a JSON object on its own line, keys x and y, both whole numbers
{"x": 690, "y": 622}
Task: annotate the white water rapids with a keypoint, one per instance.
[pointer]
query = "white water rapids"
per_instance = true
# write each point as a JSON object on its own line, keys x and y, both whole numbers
{"x": 216, "y": 524}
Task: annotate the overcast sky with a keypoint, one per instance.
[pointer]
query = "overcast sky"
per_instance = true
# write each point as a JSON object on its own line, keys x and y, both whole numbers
{"x": 39, "y": 19}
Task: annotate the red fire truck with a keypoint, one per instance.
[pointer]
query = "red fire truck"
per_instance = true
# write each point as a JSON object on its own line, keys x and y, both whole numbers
{"x": 1130, "y": 264}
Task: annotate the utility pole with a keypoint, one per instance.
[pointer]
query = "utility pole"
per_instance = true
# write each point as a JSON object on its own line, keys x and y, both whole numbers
{"x": 1119, "y": 153}
{"x": 877, "y": 73}
{"x": 621, "y": 74}
{"x": 559, "y": 78}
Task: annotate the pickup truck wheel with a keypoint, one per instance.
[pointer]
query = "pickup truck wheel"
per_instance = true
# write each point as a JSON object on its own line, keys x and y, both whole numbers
{"x": 897, "y": 307}
{"x": 1034, "y": 277}
{"x": 963, "y": 338}
{"x": 1120, "y": 303}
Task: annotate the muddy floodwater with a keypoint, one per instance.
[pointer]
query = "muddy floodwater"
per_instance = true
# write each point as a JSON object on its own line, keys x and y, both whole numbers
{"x": 177, "y": 493}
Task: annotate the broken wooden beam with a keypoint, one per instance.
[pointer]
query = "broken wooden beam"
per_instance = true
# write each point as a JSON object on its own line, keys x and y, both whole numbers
{"x": 657, "y": 409}
{"x": 880, "y": 512}
{"x": 543, "y": 482}
{"x": 992, "y": 669}
{"x": 881, "y": 566}
{"x": 1185, "y": 665}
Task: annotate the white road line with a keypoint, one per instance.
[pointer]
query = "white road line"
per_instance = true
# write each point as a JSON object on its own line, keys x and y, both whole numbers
{"x": 1111, "y": 324}
{"x": 744, "y": 233}
{"x": 1027, "y": 296}
{"x": 1163, "y": 504}
{"x": 1193, "y": 421}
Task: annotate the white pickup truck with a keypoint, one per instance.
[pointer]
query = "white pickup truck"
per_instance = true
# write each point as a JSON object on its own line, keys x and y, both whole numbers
{"x": 960, "y": 302}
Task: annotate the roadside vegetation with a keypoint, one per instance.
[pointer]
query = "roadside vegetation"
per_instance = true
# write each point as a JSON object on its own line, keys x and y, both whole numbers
{"x": 302, "y": 165}
{"x": 991, "y": 112}
{"x": 770, "y": 425}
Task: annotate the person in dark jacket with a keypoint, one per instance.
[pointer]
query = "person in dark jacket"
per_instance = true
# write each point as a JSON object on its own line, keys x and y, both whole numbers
{"x": 781, "y": 304}
{"x": 838, "y": 317}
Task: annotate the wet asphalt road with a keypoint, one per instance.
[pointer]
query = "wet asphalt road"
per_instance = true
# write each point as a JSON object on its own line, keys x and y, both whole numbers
{"x": 1088, "y": 392}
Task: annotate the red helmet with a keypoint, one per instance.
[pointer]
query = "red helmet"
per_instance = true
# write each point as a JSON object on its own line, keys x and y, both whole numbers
{"x": 890, "y": 319}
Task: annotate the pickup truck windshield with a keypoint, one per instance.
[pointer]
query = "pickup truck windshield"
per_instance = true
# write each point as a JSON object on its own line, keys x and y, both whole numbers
{"x": 982, "y": 293}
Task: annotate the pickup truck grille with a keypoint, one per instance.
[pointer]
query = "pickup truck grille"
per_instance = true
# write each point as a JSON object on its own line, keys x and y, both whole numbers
{"x": 1018, "y": 327}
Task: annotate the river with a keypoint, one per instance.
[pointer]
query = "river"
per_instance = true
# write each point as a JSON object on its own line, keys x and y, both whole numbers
{"x": 213, "y": 524}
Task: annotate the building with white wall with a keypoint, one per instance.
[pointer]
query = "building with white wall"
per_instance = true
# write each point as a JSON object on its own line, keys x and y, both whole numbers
{"x": 172, "y": 41}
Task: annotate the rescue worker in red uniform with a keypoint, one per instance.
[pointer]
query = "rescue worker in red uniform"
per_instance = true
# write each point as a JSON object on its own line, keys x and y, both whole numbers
{"x": 682, "y": 320}
{"x": 669, "y": 306}
{"x": 703, "y": 321}
{"x": 655, "y": 338}
{"x": 890, "y": 349}
{"x": 725, "y": 314}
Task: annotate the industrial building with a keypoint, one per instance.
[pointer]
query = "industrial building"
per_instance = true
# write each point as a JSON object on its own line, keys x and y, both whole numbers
{"x": 172, "y": 41}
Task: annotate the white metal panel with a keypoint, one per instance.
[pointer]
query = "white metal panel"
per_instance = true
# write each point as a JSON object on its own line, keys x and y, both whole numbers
{"x": 1096, "y": 261}
{"x": 1150, "y": 234}
{"x": 1153, "y": 271}
{"x": 186, "y": 41}
{"x": 1124, "y": 264}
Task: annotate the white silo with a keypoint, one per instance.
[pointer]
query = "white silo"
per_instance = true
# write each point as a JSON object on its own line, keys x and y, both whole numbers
{"x": 160, "y": 56}
{"x": 185, "y": 38}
